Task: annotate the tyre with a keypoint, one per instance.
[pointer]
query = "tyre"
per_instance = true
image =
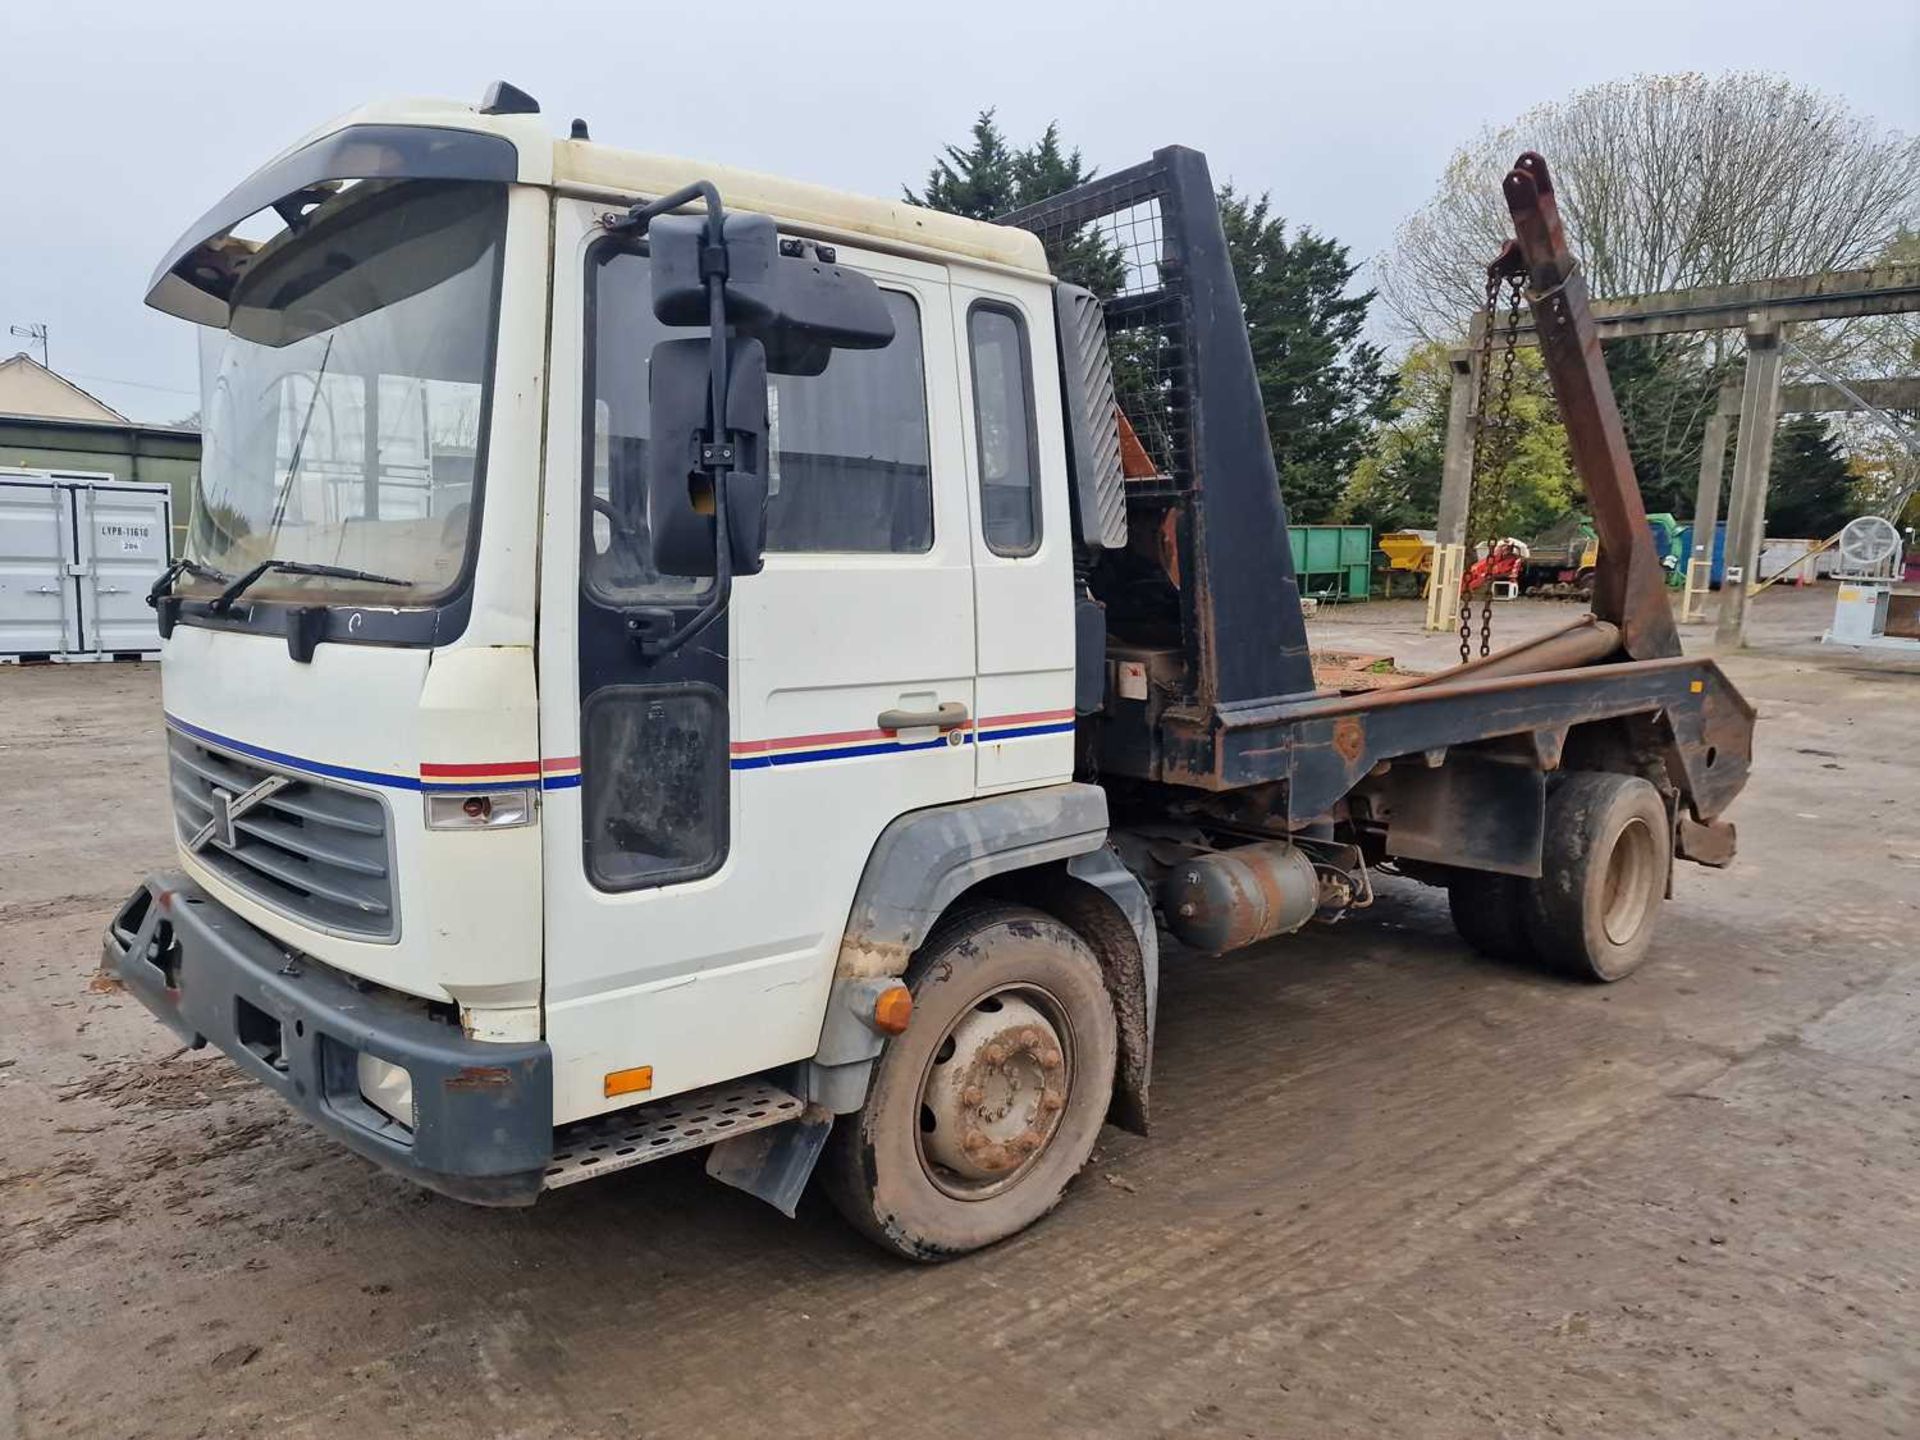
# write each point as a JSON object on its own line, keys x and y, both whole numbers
{"x": 1490, "y": 912}
{"x": 1604, "y": 867}
{"x": 988, "y": 1105}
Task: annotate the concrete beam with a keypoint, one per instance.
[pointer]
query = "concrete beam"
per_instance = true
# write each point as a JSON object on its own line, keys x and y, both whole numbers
{"x": 1785, "y": 299}
{"x": 1898, "y": 393}
{"x": 1747, "y": 505}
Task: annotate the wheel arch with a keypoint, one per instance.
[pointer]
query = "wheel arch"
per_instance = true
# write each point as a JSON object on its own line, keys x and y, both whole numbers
{"x": 1045, "y": 848}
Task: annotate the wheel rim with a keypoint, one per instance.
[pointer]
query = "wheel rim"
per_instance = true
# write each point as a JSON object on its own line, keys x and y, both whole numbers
{"x": 1630, "y": 878}
{"x": 994, "y": 1092}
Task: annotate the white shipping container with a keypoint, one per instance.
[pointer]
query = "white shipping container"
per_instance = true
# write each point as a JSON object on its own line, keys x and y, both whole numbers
{"x": 78, "y": 553}
{"x": 1791, "y": 561}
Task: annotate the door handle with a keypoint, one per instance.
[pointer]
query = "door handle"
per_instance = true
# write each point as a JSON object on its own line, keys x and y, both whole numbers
{"x": 950, "y": 716}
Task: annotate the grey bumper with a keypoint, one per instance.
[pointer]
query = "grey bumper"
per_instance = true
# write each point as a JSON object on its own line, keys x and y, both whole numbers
{"x": 483, "y": 1112}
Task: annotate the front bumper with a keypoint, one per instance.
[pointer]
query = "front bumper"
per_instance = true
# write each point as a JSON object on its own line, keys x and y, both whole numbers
{"x": 483, "y": 1112}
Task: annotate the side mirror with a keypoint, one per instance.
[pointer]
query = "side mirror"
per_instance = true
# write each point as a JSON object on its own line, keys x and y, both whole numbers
{"x": 790, "y": 294}
{"x": 680, "y": 504}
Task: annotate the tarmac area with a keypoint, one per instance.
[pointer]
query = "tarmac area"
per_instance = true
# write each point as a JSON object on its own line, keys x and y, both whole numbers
{"x": 1393, "y": 1189}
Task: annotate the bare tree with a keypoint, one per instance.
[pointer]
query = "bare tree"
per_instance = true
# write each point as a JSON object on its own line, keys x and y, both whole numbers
{"x": 1666, "y": 182}
{"x": 1670, "y": 182}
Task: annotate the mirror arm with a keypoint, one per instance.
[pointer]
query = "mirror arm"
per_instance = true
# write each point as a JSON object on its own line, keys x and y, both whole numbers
{"x": 716, "y": 451}
{"x": 646, "y": 626}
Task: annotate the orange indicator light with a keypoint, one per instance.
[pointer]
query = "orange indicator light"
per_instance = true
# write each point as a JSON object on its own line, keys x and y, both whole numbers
{"x": 629, "y": 1082}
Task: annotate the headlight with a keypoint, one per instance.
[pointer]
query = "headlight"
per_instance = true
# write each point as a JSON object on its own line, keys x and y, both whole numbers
{"x": 387, "y": 1087}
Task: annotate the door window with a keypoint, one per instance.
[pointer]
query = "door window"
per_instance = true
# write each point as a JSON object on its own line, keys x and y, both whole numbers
{"x": 848, "y": 468}
{"x": 1003, "y": 429}
{"x": 654, "y": 786}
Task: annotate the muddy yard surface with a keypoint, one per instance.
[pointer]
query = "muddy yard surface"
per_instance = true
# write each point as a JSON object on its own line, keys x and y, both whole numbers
{"x": 1393, "y": 1189}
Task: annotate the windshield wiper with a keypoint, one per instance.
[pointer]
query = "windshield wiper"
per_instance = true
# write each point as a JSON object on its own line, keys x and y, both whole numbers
{"x": 163, "y": 586}
{"x": 223, "y": 602}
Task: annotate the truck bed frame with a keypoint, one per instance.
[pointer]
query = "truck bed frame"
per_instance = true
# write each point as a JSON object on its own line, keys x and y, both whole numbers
{"x": 1201, "y": 603}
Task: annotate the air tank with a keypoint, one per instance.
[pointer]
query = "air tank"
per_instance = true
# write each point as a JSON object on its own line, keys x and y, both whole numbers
{"x": 1225, "y": 899}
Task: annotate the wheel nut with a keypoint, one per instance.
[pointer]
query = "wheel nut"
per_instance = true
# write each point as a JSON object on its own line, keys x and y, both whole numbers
{"x": 993, "y": 1054}
{"x": 1030, "y": 1037}
{"x": 972, "y": 1095}
{"x": 1051, "y": 1102}
{"x": 976, "y": 1140}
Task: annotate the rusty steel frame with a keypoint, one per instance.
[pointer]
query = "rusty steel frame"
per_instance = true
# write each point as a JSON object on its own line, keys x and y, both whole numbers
{"x": 1614, "y": 681}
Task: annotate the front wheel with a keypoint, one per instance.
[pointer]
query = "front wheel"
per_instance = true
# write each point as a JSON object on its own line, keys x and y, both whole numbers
{"x": 989, "y": 1104}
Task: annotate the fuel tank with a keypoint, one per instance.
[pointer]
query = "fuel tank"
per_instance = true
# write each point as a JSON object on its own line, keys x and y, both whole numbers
{"x": 1229, "y": 898}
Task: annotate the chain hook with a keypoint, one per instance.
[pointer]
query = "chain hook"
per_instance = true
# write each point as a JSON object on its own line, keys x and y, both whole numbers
{"x": 1493, "y": 435}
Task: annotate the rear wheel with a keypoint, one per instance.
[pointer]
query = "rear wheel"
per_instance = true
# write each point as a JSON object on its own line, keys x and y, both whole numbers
{"x": 1603, "y": 875}
{"x": 1490, "y": 912}
{"x": 989, "y": 1104}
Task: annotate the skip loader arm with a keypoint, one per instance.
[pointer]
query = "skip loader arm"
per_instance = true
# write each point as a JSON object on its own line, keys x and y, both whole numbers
{"x": 1629, "y": 588}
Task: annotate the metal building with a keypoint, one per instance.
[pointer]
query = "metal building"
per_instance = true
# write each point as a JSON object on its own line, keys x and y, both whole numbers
{"x": 49, "y": 423}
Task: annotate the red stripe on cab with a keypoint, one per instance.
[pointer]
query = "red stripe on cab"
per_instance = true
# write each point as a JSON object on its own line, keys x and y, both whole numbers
{"x": 480, "y": 772}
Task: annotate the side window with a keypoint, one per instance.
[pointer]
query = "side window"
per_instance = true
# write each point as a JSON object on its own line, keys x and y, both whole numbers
{"x": 654, "y": 792}
{"x": 616, "y": 565}
{"x": 1003, "y": 429}
{"x": 848, "y": 469}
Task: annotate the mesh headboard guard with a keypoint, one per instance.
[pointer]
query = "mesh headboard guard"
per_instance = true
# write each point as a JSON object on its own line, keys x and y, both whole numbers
{"x": 1093, "y": 428}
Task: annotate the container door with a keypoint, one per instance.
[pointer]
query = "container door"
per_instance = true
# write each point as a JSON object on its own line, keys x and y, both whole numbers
{"x": 707, "y": 814}
{"x": 38, "y": 602}
{"x": 122, "y": 533}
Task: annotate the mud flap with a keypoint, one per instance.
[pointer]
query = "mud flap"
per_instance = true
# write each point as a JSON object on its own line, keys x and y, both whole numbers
{"x": 774, "y": 1163}
{"x": 1705, "y": 842}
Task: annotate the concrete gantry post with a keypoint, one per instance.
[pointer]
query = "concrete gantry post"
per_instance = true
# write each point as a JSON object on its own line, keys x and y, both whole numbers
{"x": 1456, "y": 484}
{"x": 1456, "y": 468}
{"x": 1713, "y": 464}
{"x": 1752, "y": 459}
{"x": 1706, "y": 505}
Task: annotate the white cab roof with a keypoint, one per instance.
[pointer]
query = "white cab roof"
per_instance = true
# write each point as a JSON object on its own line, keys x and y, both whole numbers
{"x": 813, "y": 209}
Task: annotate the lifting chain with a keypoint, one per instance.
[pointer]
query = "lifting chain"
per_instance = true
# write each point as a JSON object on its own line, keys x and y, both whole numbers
{"x": 1492, "y": 448}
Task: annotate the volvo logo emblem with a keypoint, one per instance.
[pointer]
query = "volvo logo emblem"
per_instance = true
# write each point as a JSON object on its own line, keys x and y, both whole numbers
{"x": 228, "y": 808}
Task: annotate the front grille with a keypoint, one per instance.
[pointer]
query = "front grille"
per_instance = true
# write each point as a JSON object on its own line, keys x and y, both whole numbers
{"x": 315, "y": 851}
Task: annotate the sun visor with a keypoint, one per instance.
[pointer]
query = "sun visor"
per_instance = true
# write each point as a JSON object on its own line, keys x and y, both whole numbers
{"x": 197, "y": 278}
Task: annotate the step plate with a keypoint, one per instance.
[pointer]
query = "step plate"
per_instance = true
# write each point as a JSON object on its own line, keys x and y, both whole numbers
{"x": 665, "y": 1127}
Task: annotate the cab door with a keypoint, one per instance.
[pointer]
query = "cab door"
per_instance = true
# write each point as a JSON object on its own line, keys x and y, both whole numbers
{"x": 1021, "y": 536}
{"x": 708, "y": 814}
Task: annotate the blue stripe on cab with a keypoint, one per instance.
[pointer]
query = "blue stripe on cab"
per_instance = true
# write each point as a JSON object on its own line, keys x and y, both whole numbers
{"x": 843, "y": 752}
{"x": 1025, "y": 730}
{"x": 295, "y": 762}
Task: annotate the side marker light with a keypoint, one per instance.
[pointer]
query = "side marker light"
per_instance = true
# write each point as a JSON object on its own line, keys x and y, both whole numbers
{"x": 892, "y": 1009}
{"x": 628, "y": 1082}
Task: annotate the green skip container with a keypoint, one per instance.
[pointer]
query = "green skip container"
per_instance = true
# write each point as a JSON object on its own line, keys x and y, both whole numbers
{"x": 1333, "y": 562}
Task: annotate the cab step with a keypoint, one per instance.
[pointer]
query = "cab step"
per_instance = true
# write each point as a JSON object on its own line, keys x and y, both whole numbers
{"x": 666, "y": 1127}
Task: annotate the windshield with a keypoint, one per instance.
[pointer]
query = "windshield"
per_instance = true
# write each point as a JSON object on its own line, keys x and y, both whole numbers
{"x": 343, "y": 408}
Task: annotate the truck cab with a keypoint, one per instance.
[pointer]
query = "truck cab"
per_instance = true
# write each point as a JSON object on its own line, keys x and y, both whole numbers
{"x": 571, "y": 766}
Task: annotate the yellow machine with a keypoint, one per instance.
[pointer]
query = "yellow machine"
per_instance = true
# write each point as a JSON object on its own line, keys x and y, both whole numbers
{"x": 1409, "y": 550}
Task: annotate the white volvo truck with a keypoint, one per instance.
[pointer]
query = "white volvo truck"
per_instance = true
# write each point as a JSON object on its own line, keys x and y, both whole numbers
{"x": 597, "y": 732}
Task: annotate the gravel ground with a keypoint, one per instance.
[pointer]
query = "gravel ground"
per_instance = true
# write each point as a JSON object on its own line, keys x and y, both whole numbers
{"x": 1393, "y": 1189}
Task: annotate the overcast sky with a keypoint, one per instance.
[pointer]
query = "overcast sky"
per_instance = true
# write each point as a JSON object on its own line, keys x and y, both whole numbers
{"x": 121, "y": 122}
